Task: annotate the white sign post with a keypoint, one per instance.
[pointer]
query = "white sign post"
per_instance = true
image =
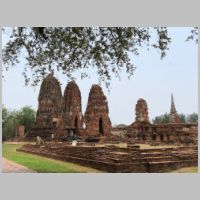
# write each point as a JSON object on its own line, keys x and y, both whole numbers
{"x": 74, "y": 143}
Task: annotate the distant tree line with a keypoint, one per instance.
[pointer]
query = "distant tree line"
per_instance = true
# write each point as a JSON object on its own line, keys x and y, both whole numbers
{"x": 13, "y": 118}
{"x": 191, "y": 118}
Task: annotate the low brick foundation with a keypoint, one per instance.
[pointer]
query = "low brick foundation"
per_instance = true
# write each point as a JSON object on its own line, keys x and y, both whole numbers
{"x": 115, "y": 159}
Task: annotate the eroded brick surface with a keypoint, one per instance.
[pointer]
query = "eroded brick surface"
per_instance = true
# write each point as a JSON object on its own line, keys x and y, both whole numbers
{"x": 96, "y": 116}
{"x": 72, "y": 107}
{"x": 115, "y": 159}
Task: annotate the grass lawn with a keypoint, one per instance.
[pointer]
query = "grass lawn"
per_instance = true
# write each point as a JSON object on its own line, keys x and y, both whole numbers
{"x": 39, "y": 163}
{"x": 186, "y": 170}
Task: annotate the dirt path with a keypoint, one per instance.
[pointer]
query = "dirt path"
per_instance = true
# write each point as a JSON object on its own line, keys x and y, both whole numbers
{"x": 11, "y": 167}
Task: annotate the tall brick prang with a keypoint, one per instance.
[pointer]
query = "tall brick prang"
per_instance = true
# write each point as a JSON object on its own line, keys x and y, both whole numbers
{"x": 96, "y": 116}
{"x": 72, "y": 107}
{"x": 49, "y": 104}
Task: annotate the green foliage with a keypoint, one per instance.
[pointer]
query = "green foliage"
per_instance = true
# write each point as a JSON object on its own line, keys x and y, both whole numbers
{"x": 9, "y": 124}
{"x": 192, "y": 118}
{"x": 182, "y": 118}
{"x": 193, "y": 35}
{"x": 67, "y": 49}
{"x": 5, "y": 115}
{"x": 26, "y": 117}
{"x": 161, "y": 119}
{"x": 11, "y": 119}
{"x": 39, "y": 163}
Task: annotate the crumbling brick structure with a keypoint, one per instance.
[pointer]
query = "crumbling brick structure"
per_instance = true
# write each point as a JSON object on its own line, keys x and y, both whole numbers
{"x": 173, "y": 118}
{"x": 49, "y": 104}
{"x": 141, "y": 111}
{"x": 20, "y": 131}
{"x": 49, "y": 113}
{"x": 141, "y": 127}
{"x": 142, "y": 131}
{"x": 62, "y": 116}
{"x": 72, "y": 108}
{"x": 96, "y": 116}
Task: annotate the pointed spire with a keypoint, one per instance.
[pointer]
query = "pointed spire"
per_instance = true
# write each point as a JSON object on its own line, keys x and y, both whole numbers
{"x": 174, "y": 118}
{"x": 173, "y": 108}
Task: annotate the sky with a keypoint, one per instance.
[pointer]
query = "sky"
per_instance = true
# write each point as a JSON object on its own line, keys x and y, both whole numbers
{"x": 154, "y": 80}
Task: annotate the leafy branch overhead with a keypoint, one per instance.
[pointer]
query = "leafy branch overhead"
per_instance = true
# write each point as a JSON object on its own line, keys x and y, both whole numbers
{"x": 106, "y": 49}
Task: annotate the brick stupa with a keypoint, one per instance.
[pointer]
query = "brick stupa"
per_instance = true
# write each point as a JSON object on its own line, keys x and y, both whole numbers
{"x": 72, "y": 108}
{"x": 173, "y": 117}
{"x": 96, "y": 116}
{"x": 141, "y": 123}
{"x": 49, "y": 104}
{"x": 141, "y": 111}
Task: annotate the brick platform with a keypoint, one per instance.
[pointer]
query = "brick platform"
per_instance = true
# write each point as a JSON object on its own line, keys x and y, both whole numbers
{"x": 115, "y": 159}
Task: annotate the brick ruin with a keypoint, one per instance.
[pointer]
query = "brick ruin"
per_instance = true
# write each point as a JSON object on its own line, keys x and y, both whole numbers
{"x": 49, "y": 113}
{"x": 142, "y": 131}
{"x": 116, "y": 159}
{"x": 173, "y": 118}
{"x": 62, "y": 115}
{"x": 72, "y": 108}
{"x": 141, "y": 111}
{"x": 57, "y": 114}
{"x": 138, "y": 130}
{"x": 20, "y": 131}
{"x": 96, "y": 116}
{"x": 49, "y": 104}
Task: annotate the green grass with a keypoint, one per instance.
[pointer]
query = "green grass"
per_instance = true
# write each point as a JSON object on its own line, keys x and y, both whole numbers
{"x": 39, "y": 163}
{"x": 48, "y": 165}
{"x": 187, "y": 170}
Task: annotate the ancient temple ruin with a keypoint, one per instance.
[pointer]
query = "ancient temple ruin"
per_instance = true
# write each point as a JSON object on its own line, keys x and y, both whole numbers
{"x": 59, "y": 116}
{"x": 141, "y": 111}
{"x": 49, "y": 113}
{"x": 96, "y": 116}
{"x": 140, "y": 128}
{"x": 142, "y": 131}
{"x": 49, "y": 104}
{"x": 173, "y": 118}
{"x": 62, "y": 115}
{"x": 72, "y": 107}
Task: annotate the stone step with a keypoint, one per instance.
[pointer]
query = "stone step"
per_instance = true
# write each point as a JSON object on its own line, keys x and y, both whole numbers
{"x": 160, "y": 158}
{"x": 170, "y": 165}
{"x": 155, "y": 154}
{"x": 120, "y": 160}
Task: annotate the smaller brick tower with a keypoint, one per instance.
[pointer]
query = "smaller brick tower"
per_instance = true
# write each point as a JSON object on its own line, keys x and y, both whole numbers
{"x": 173, "y": 118}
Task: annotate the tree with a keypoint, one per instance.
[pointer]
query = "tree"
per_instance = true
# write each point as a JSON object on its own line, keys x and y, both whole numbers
{"x": 182, "y": 118}
{"x": 11, "y": 119}
{"x": 26, "y": 117}
{"x": 5, "y": 115}
{"x": 10, "y": 122}
{"x": 193, "y": 35}
{"x": 192, "y": 118}
{"x": 67, "y": 49}
{"x": 161, "y": 119}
